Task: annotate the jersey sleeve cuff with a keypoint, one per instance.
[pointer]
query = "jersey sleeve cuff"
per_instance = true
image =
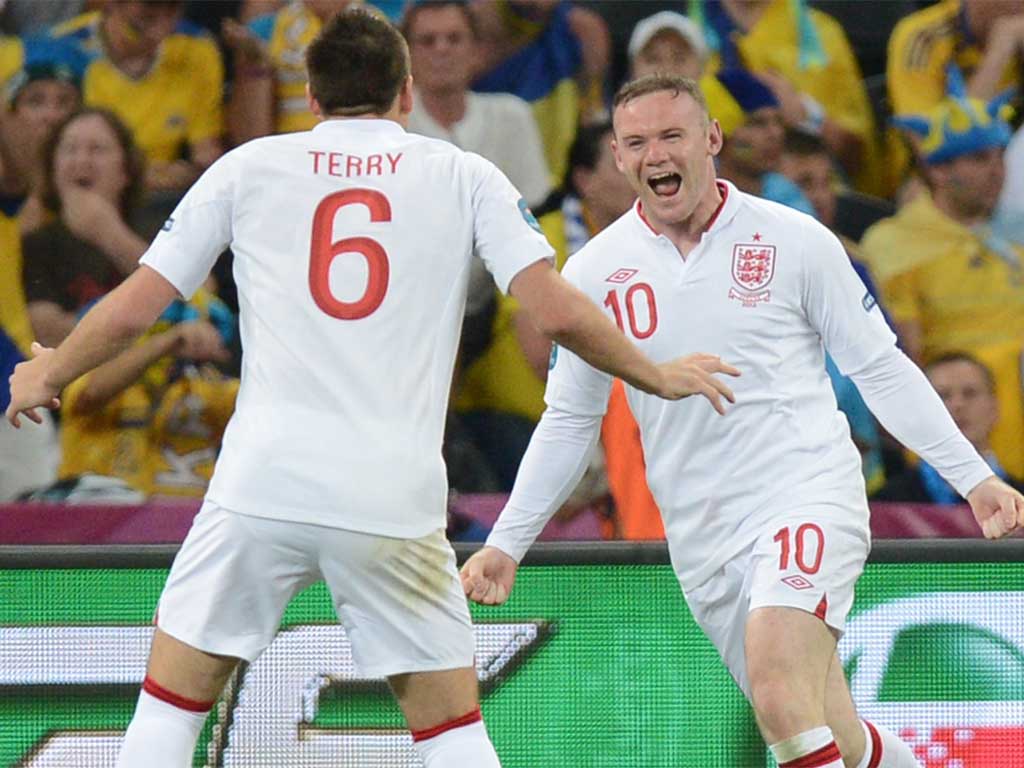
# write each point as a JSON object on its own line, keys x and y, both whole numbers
{"x": 978, "y": 472}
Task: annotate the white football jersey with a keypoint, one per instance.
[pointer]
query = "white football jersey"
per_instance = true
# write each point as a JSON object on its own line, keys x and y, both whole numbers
{"x": 767, "y": 289}
{"x": 352, "y": 246}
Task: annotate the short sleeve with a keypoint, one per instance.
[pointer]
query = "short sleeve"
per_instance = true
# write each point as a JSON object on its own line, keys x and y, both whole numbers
{"x": 901, "y": 297}
{"x": 506, "y": 234}
{"x": 575, "y": 386}
{"x": 197, "y": 232}
{"x": 206, "y": 120}
{"x": 838, "y": 304}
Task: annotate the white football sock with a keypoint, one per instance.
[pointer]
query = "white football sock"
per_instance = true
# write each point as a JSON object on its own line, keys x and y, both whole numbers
{"x": 162, "y": 734}
{"x": 815, "y": 748}
{"x": 885, "y": 749}
{"x": 459, "y": 746}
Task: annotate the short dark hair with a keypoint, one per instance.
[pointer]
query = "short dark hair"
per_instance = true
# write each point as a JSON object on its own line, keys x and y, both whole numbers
{"x": 134, "y": 160}
{"x": 804, "y": 144}
{"x": 963, "y": 357}
{"x": 586, "y": 150}
{"x": 357, "y": 64}
{"x": 414, "y": 8}
{"x": 634, "y": 89}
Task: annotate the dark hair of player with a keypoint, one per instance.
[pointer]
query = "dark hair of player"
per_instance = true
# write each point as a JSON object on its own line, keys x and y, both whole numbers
{"x": 357, "y": 64}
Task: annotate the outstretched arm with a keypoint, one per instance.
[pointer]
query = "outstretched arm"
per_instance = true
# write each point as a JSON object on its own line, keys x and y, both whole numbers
{"x": 107, "y": 330}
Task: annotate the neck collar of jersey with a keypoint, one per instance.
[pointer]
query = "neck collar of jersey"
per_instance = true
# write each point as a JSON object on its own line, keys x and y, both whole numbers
{"x": 723, "y": 213}
{"x": 359, "y": 125}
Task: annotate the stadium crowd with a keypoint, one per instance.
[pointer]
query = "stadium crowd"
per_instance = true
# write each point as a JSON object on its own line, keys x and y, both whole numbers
{"x": 895, "y": 126}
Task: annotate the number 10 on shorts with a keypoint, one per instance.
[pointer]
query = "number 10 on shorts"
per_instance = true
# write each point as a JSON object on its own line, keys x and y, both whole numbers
{"x": 807, "y": 540}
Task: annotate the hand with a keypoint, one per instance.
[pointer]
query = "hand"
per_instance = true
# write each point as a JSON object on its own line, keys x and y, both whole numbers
{"x": 200, "y": 341}
{"x": 88, "y": 214}
{"x": 29, "y": 389}
{"x": 487, "y": 576}
{"x": 691, "y": 375}
{"x": 998, "y": 508}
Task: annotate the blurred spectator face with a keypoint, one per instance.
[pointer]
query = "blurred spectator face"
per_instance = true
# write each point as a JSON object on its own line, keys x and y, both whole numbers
{"x": 813, "y": 174}
{"x": 983, "y": 14}
{"x": 668, "y": 53}
{"x": 756, "y": 146}
{"x": 604, "y": 188}
{"x": 138, "y": 28}
{"x": 441, "y": 46}
{"x": 970, "y": 184}
{"x": 664, "y": 146}
{"x": 967, "y": 392}
{"x": 42, "y": 104}
{"x": 89, "y": 155}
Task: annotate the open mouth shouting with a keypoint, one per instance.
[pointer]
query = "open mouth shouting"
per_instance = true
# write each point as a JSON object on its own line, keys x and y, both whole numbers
{"x": 665, "y": 184}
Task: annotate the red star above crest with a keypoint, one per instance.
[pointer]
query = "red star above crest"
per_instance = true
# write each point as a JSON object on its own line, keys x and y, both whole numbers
{"x": 757, "y": 237}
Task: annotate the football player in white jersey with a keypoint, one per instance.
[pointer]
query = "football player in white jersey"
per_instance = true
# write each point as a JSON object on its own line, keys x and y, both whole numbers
{"x": 352, "y": 245}
{"x": 764, "y": 509}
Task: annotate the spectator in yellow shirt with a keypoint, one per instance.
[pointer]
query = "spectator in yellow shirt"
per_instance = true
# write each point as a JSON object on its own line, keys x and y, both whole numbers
{"x": 162, "y": 76}
{"x": 949, "y": 280}
{"x": 154, "y": 415}
{"x": 805, "y": 57}
{"x": 269, "y": 88}
{"x": 984, "y": 38}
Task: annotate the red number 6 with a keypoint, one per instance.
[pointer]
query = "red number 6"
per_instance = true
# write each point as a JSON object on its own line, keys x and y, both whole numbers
{"x": 323, "y": 250}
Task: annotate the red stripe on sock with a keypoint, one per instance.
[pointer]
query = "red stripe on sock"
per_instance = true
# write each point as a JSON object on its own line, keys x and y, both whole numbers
{"x": 876, "y": 746}
{"x": 467, "y": 719}
{"x": 817, "y": 759}
{"x": 157, "y": 691}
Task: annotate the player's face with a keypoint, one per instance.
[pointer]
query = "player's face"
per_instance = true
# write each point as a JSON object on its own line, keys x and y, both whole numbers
{"x": 667, "y": 53}
{"x": 813, "y": 174}
{"x": 604, "y": 187}
{"x": 43, "y": 104}
{"x": 442, "y": 49}
{"x": 965, "y": 391}
{"x": 664, "y": 145}
{"x": 756, "y": 146}
{"x": 89, "y": 156}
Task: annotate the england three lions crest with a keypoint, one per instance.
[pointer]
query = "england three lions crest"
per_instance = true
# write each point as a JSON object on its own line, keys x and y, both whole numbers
{"x": 753, "y": 267}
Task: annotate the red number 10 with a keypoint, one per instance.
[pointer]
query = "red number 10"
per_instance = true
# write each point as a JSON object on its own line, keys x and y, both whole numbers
{"x": 612, "y": 302}
{"x": 782, "y": 537}
{"x": 323, "y": 250}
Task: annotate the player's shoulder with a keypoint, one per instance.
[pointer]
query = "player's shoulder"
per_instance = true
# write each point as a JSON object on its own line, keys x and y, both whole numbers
{"x": 789, "y": 220}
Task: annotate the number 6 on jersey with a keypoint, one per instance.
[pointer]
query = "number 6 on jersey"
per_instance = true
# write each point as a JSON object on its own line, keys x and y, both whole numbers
{"x": 322, "y": 252}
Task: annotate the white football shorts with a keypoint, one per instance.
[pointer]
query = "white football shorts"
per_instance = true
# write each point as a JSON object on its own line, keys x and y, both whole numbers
{"x": 807, "y": 562}
{"x": 400, "y": 600}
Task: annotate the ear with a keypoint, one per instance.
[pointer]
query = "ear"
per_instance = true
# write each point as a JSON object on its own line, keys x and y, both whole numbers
{"x": 314, "y": 105}
{"x": 715, "y": 138}
{"x": 405, "y": 97}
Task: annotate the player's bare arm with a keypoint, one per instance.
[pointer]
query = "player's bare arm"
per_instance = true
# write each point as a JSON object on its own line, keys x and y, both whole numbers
{"x": 107, "y": 330}
{"x": 567, "y": 316}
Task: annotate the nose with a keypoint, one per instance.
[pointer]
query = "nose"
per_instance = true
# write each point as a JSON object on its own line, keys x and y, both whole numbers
{"x": 656, "y": 153}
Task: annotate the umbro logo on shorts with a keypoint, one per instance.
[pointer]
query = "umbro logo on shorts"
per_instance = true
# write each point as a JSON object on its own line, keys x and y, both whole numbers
{"x": 797, "y": 582}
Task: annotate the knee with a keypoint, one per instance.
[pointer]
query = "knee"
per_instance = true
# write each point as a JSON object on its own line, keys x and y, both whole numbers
{"x": 785, "y": 705}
